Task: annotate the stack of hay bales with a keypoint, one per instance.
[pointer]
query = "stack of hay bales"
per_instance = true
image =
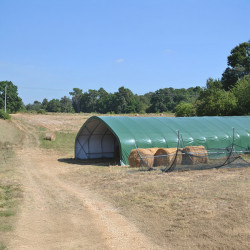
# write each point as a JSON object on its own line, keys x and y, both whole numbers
{"x": 153, "y": 150}
{"x": 194, "y": 155}
{"x": 190, "y": 155}
{"x": 135, "y": 159}
{"x": 166, "y": 156}
{"x": 50, "y": 137}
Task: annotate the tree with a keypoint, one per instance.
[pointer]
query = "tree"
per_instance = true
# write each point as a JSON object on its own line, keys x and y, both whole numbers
{"x": 91, "y": 100}
{"x": 45, "y": 103}
{"x": 54, "y": 106}
{"x": 145, "y": 101}
{"x": 240, "y": 55}
{"x": 161, "y": 101}
{"x": 213, "y": 84}
{"x": 142, "y": 103}
{"x": 66, "y": 105}
{"x": 76, "y": 99}
{"x": 124, "y": 101}
{"x": 14, "y": 102}
{"x": 167, "y": 99}
{"x": 35, "y": 106}
{"x": 238, "y": 65}
{"x": 242, "y": 93}
{"x": 185, "y": 109}
{"x": 104, "y": 101}
{"x": 214, "y": 101}
{"x": 88, "y": 101}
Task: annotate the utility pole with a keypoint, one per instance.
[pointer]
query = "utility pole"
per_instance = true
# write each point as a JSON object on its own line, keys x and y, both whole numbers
{"x": 5, "y": 98}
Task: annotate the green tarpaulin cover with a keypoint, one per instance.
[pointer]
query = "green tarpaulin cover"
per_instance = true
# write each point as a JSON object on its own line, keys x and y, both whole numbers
{"x": 101, "y": 136}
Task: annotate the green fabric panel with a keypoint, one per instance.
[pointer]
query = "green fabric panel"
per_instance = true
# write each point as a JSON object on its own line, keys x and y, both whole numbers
{"x": 148, "y": 132}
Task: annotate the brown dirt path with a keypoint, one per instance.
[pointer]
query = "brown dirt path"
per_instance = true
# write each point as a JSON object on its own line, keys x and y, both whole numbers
{"x": 59, "y": 215}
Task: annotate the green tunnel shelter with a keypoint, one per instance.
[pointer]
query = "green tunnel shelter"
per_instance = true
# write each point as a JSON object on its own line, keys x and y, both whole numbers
{"x": 103, "y": 136}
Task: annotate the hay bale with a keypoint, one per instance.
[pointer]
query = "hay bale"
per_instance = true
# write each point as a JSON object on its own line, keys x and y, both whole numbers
{"x": 135, "y": 160}
{"x": 168, "y": 156}
{"x": 50, "y": 137}
{"x": 153, "y": 150}
{"x": 194, "y": 155}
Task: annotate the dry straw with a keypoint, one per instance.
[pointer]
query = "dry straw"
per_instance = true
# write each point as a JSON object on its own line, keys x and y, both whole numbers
{"x": 166, "y": 156}
{"x": 50, "y": 137}
{"x": 153, "y": 150}
{"x": 194, "y": 155}
{"x": 147, "y": 155}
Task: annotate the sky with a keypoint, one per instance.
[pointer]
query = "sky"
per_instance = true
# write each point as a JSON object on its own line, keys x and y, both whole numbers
{"x": 49, "y": 47}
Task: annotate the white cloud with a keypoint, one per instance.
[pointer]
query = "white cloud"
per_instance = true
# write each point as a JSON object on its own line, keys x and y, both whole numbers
{"x": 120, "y": 60}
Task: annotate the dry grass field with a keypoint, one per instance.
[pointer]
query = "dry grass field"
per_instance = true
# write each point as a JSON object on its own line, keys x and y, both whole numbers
{"x": 10, "y": 183}
{"x": 122, "y": 207}
{"x": 193, "y": 209}
{"x": 9, "y": 134}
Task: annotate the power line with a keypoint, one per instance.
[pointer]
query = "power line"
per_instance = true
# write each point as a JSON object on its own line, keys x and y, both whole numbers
{"x": 34, "y": 88}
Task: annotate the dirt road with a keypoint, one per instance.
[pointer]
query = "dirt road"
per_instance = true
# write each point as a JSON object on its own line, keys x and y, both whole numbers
{"x": 60, "y": 215}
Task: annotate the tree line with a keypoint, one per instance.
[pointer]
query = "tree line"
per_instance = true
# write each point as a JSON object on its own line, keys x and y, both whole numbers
{"x": 229, "y": 95}
{"x": 124, "y": 101}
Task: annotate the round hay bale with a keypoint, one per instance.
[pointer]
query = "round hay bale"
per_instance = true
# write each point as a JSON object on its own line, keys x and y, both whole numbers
{"x": 194, "y": 155}
{"x": 153, "y": 150}
{"x": 135, "y": 160}
{"x": 50, "y": 137}
{"x": 168, "y": 156}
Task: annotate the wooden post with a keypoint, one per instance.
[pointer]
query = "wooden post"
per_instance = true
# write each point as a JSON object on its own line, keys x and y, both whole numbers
{"x": 5, "y": 98}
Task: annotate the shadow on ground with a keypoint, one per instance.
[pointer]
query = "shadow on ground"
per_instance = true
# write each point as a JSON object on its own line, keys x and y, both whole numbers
{"x": 98, "y": 162}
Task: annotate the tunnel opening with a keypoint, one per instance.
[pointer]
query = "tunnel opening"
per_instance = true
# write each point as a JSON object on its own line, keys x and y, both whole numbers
{"x": 95, "y": 140}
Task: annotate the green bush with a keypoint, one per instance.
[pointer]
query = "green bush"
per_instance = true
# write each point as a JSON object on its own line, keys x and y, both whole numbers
{"x": 216, "y": 102}
{"x": 185, "y": 109}
{"x": 242, "y": 92}
{"x": 41, "y": 111}
{"x": 4, "y": 115}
